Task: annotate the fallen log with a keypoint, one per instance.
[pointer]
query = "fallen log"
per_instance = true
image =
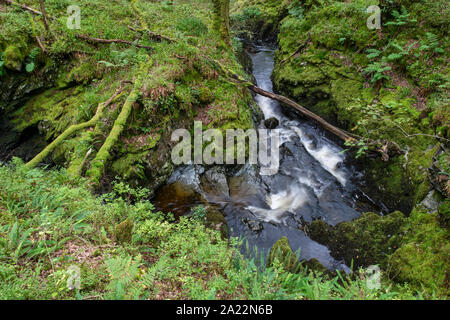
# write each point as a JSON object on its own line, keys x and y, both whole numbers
{"x": 342, "y": 134}
{"x": 152, "y": 35}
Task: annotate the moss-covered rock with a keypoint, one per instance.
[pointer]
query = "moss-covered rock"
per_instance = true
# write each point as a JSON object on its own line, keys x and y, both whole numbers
{"x": 423, "y": 260}
{"x": 123, "y": 232}
{"x": 216, "y": 220}
{"x": 13, "y": 58}
{"x": 367, "y": 240}
{"x": 282, "y": 252}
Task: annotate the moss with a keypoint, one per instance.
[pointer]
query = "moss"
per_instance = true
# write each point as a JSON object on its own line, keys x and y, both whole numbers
{"x": 282, "y": 252}
{"x": 216, "y": 220}
{"x": 123, "y": 232}
{"x": 103, "y": 155}
{"x": 366, "y": 240}
{"x": 423, "y": 258}
{"x": 130, "y": 166}
{"x": 13, "y": 58}
{"x": 53, "y": 111}
{"x": 206, "y": 95}
{"x": 315, "y": 266}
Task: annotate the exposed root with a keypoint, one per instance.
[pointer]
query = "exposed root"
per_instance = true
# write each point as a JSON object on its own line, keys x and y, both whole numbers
{"x": 71, "y": 130}
{"x": 103, "y": 155}
{"x": 41, "y": 45}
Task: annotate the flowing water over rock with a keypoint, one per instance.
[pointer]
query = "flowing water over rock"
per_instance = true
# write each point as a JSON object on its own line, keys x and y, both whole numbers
{"x": 313, "y": 182}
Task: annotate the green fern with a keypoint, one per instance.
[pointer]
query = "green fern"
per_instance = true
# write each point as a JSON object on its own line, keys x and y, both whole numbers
{"x": 431, "y": 44}
{"x": 377, "y": 70}
{"x": 373, "y": 53}
{"x": 401, "y": 18}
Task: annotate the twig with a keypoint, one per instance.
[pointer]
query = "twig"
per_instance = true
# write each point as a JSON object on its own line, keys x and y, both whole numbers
{"x": 419, "y": 134}
{"x": 152, "y": 34}
{"x": 300, "y": 48}
{"x": 44, "y": 15}
{"x": 81, "y": 36}
{"x": 25, "y": 8}
{"x": 41, "y": 45}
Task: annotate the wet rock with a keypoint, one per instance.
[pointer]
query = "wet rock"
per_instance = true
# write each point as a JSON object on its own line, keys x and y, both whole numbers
{"x": 214, "y": 182}
{"x": 311, "y": 141}
{"x": 282, "y": 252}
{"x": 255, "y": 226}
{"x": 271, "y": 123}
{"x": 430, "y": 202}
{"x": 366, "y": 240}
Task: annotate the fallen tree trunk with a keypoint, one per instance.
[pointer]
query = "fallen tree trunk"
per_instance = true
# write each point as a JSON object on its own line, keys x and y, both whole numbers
{"x": 71, "y": 130}
{"x": 344, "y": 135}
{"x": 385, "y": 148}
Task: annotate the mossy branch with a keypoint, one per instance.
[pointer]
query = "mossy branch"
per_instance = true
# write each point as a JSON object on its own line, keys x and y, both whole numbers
{"x": 103, "y": 155}
{"x": 24, "y": 7}
{"x": 71, "y": 130}
{"x": 99, "y": 40}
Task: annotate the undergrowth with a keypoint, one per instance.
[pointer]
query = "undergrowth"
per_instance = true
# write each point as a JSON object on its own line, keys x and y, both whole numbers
{"x": 50, "y": 223}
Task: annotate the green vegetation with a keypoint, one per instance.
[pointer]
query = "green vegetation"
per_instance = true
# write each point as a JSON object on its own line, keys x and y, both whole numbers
{"x": 173, "y": 93}
{"x": 105, "y": 99}
{"x": 125, "y": 250}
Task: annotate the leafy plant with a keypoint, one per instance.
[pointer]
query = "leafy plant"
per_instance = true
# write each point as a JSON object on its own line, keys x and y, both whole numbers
{"x": 360, "y": 145}
{"x": 377, "y": 70}
{"x": 431, "y": 44}
{"x": 373, "y": 53}
{"x": 199, "y": 213}
{"x": 296, "y": 10}
{"x": 401, "y": 18}
{"x": 30, "y": 66}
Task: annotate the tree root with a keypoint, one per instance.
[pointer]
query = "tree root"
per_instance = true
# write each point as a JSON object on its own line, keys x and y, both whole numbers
{"x": 98, "y": 164}
{"x": 44, "y": 50}
{"x": 71, "y": 130}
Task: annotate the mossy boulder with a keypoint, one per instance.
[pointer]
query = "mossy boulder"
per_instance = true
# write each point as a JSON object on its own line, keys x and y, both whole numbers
{"x": 366, "y": 240}
{"x": 123, "y": 232}
{"x": 13, "y": 58}
{"x": 314, "y": 265}
{"x": 282, "y": 252}
{"x": 423, "y": 260}
{"x": 216, "y": 220}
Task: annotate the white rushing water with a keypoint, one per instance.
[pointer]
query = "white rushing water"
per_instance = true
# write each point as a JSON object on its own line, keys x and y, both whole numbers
{"x": 294, "y": 195}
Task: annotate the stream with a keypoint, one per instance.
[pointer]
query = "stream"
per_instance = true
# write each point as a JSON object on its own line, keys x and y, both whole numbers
{"x": 314, "y": 181}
